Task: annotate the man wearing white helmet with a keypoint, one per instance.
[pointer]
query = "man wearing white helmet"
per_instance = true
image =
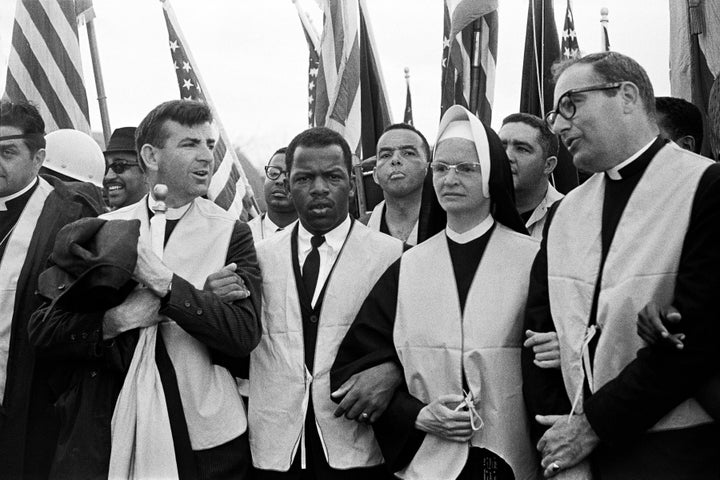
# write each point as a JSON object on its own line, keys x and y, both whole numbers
{"x": 73, "y": 156}
{"x": 32, "y": 210}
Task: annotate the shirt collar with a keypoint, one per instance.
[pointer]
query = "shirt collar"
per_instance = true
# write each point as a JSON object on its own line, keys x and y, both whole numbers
{"x": 614, "y": 172}
{"x": 171, "y": 213}
{"x": 4, "y": 200}
{"x": 335, "y": 238}
{"x": 268, "y": 224}
{"x": 476, "y": 232}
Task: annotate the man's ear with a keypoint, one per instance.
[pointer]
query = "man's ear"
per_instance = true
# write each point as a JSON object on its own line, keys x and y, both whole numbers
{"x": 149, "y": 157}
{"x": 550, "y": 164}
{"x": 351, "y": 193}
{"x": 630, "y": 94}
{"x": 375, "y": 179}
{"x": 38, "y": 159}
{"x": 687, "y": 142}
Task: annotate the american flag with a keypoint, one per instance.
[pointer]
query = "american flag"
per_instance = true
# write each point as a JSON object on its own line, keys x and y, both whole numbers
{"x": 469, "y": 55}
{"x": 44, "y": 65}
{"x": 408, "y": 118}
{"x": 229, "y": 183}
{"x": 313, "y": 41}
{"x": 337, "y": 102}
{"x": 569, "y": 46}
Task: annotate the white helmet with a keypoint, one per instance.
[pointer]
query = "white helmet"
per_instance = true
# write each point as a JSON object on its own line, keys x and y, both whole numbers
{"x": 74, "y": 154}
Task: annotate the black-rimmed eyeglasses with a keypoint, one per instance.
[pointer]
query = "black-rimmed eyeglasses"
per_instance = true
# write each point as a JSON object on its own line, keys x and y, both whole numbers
{"x": 272, "y": 172}
{"x": 566, "y": 107}
{"x": 120, "y": 167}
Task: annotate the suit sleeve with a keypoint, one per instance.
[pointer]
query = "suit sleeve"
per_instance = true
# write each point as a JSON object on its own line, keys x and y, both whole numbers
{"x": 231, "y": 329}
{"x": 659, "y": 379}
{"x": 369, "y": 342}
{"x": 543, "y": 388}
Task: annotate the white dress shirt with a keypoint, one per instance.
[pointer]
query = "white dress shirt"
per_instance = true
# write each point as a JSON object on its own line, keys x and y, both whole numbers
{"x": 329, "y": 250}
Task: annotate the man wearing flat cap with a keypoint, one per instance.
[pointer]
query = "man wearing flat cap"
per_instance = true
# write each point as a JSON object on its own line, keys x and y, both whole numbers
{"x": 124, "y": 180}
{"x": 449, "y": 314}
{"x": 32, "y": 210}
{"x": 195, "y": 313}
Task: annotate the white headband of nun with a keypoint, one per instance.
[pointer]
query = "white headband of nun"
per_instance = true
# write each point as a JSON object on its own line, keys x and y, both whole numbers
{"x": 458, "y": 122}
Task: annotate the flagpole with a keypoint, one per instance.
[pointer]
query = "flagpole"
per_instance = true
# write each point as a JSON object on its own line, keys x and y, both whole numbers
{"x": 99, "y": 84}
{"x": 605, "y": 41}
{"x": 475, "y": 69}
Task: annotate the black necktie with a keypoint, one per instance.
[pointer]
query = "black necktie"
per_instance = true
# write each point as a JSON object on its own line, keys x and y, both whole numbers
{"x": 311, "y": 267}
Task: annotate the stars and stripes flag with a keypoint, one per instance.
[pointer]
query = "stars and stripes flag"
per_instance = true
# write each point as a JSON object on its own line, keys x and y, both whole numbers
{"x": 469, "y": 55}
{"x": 569, "y": 46}
{"x": 44, "y": 65}
{"x": 408, "y": 118}
{"x": 337, "y": 101}
{"x": 229, "y": 183}
{"x": 313, "y": 41}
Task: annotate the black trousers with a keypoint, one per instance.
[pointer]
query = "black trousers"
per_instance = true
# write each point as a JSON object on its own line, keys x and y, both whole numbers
{"x": 687, "y": 454}
{"x": 317, "y": 467}
{"x": 228, "y": 461}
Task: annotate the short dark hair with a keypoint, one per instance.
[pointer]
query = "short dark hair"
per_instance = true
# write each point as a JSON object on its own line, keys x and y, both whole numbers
{"x": 407, "y": 126}
{"x": 279, "y": 151}
{"x": 614, "y": 67}
{"x": 25, "y": 117}
{"x": 318, "y": 137}
{"x": 680, "y": 117}
{"x": 185, "y": 112}
{"x": 548, "y": 141}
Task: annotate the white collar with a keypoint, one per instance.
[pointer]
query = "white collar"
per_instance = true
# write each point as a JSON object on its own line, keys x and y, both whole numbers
{"x": 269, "y": 224}
{"x": 4, "y": 200}
{"x": 171, "y": 213}
{"x": 614, "y": 172}
{"x": 335, "y": 238}
{"x": 476, "y": 232}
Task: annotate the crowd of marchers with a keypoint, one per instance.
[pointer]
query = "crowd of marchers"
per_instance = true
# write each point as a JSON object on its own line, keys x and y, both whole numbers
{"x": 474, "y": 324}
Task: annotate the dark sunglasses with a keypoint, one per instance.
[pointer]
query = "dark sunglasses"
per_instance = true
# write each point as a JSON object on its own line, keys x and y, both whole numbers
{"x": 272, "y": 172}
{"x": 120, "y": 167}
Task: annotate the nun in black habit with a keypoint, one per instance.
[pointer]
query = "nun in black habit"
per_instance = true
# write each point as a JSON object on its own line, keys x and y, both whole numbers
{"x": 449, "y": 314}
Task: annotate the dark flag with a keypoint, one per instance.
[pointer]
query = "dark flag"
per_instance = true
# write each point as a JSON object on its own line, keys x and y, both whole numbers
{"x": 408, "y": 117}
{"x": 375, "y": 111}
{"x": 542, "y": 49}
{"x": 44, "y": 66}
{"x": 229, "y": 183}
{"x": 469, "y": 56}
{"x": 569, "y": 46}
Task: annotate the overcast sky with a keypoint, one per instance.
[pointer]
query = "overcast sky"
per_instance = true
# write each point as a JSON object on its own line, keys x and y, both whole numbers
{"x": 253, "y": 57}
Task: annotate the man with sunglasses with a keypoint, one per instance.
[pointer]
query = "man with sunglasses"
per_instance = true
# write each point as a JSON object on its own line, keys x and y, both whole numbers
{"x": 644, "y": 228}
{"x": 280, "y": 209}
{"x": 124, "y": 182}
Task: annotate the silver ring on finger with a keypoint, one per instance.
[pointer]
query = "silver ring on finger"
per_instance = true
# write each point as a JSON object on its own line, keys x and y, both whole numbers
{"x": 555, "y": 467}
{"x": 364, "y": 416}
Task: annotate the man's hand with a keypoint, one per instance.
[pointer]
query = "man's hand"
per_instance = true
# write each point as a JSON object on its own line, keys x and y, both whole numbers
{"x": 652, "y": 326}
{"x": 151, "y": 271}
{"x": 568, "y": 442}
{"x": 366, "y": 395}
{"x": 440, "y": 418}
{"x": 227, "y": 284}
{"x": 140, "y": 309}
{"x": 546, "y": 348}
